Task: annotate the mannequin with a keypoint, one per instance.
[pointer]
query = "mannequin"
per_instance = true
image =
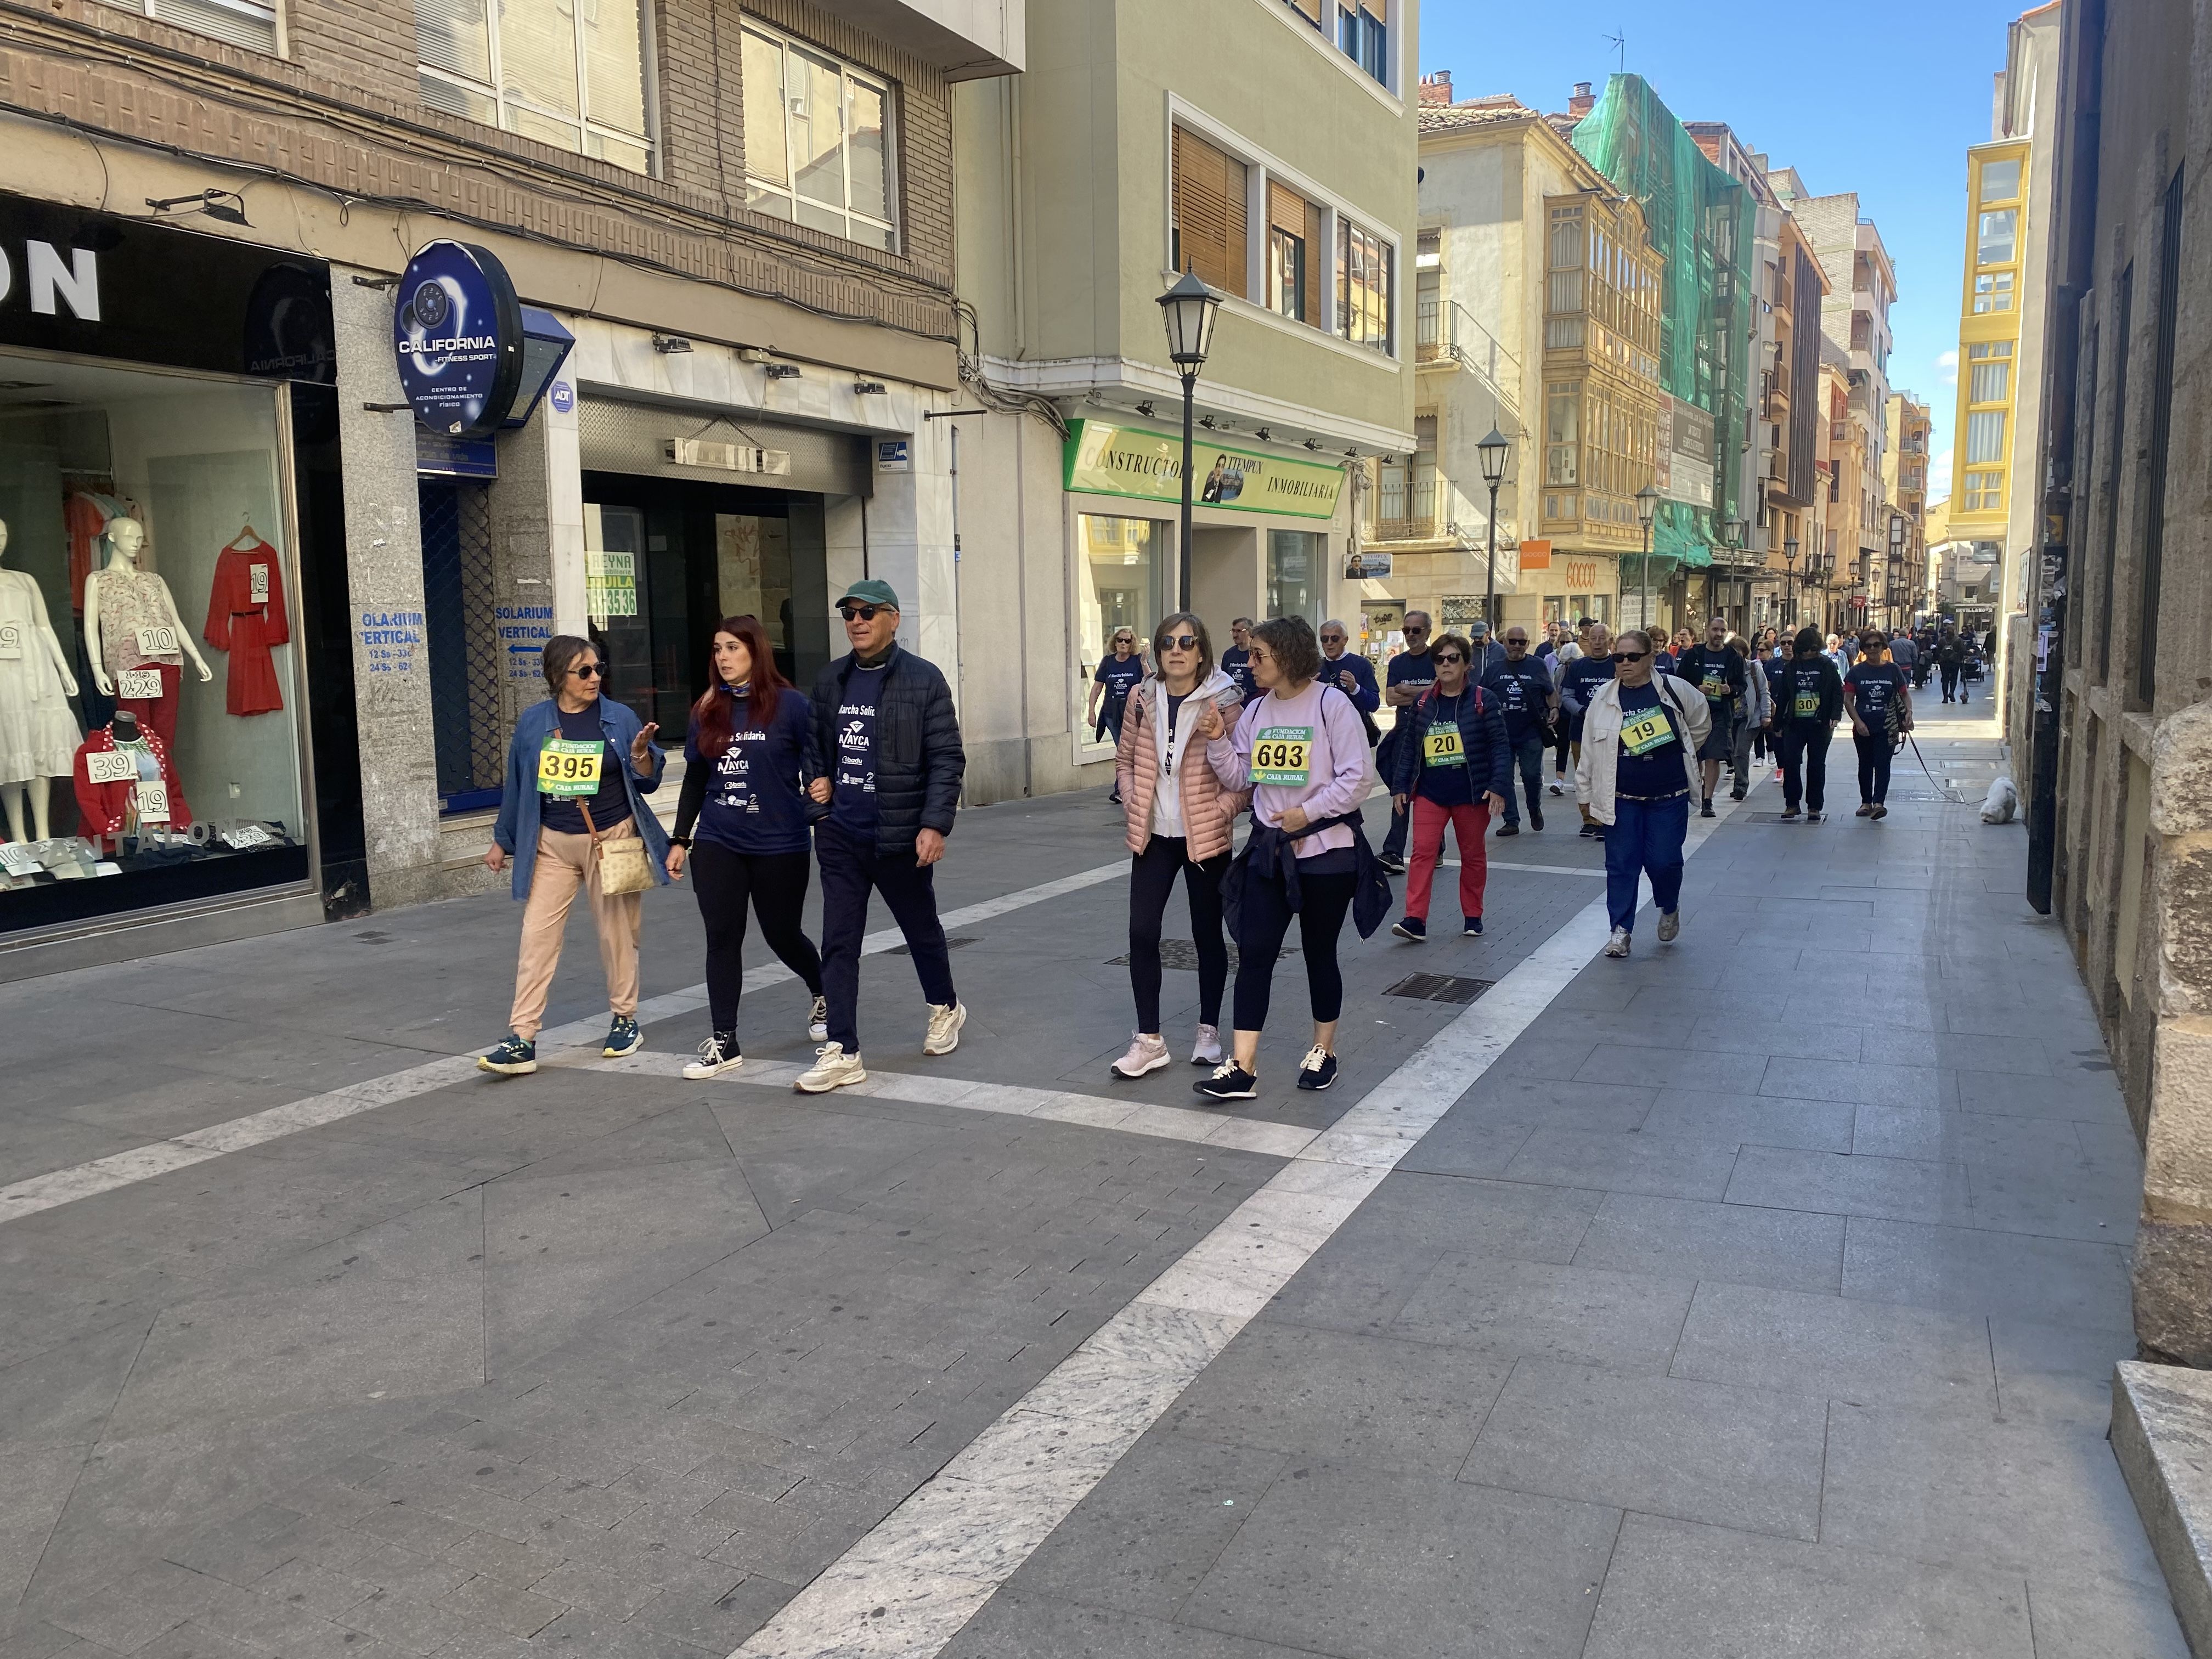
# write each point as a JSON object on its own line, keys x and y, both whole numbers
{"x": 37, "y": 733}
{"x": 116, "y": 768}
{"x": 124, "y": 607}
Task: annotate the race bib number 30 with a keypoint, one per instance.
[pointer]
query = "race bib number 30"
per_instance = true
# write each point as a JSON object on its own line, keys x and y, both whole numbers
{"x": 569, "y": 768}
{"x": 1646, "y": 733}
{"x": 1442, "y": 746}
{"x": 1806, "y": 705}
{"x": 1282, "y": 755}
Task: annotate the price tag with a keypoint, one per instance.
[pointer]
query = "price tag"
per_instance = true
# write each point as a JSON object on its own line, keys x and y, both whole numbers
{"x": 249, "y": 836}
{"x": 110, "y": 767}
{"x": 157, "y": 641}
{"x": 138, "y": 684}
{"x": 18, "y": 860}
{"x": 153, "y": 803}
{"x": 257, "y": 583}
{"x": 11, "y": 641}
{"x": 570, "y": 767}
{"x": 1282, "y": 755}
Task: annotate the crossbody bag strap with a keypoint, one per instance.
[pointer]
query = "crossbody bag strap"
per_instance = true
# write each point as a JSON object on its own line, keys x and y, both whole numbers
{"x": 589, "y": 829}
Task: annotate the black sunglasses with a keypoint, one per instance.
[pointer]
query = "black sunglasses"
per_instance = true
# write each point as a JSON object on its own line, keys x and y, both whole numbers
{"x": 864, "y": 612}
{"x": 590, "y": 670}
{"x": 1630, "y": 656}
{"x": 1449, "y": 656}
{"x": 1179, "y": 643}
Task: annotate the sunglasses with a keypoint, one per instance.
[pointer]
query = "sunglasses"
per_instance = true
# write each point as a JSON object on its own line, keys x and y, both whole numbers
{"x": 590, "y": 670}
{"x": 864, "y": 612}
{"x": 1179, "y": 643}
{"x": 1449, "y": 656}
{"x": 1629, "y": 656}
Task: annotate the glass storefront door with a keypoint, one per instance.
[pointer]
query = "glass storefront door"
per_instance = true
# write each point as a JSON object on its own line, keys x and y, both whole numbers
{"x": 1120, "y": 561}
{"x": 1294, "y": 585}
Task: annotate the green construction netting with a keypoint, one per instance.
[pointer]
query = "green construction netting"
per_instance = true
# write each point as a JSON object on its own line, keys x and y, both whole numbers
{"x": 1704, "y": 226}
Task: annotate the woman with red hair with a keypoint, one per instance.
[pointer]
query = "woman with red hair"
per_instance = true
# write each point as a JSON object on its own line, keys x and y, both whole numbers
{"x": 741, "y": 826}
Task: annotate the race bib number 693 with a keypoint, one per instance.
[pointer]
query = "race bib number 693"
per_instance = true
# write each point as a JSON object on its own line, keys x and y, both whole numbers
{"x": 1282, "y": 755}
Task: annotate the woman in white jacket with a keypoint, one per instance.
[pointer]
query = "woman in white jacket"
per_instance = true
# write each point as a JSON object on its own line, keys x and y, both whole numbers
{"x": 1637, "y": 774}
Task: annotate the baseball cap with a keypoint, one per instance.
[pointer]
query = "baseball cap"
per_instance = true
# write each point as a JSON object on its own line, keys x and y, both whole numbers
{"x": 871, "y": 592}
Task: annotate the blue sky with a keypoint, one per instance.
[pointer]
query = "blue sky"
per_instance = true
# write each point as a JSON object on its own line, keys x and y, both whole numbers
{"x": 1881, "y": 97}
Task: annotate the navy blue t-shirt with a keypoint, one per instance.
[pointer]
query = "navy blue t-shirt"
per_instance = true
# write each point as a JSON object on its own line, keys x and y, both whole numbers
{"x": 1873, "y": 688}
{"x": 752, "y": 802}
{"x": 852, "y": 777}
{"x": 1237, "y": 663}
{"x": 1800, "y": 688}
{"x": 1657, "y": 772}
{"x": 1450, "y": 783}
{"x": 1409, "y": 669}
{"x": 1581, "y": 682}
{"x": 1119, "y": 675}
{"x": 562, "y": 813}
{"x": 1523, "y": 690}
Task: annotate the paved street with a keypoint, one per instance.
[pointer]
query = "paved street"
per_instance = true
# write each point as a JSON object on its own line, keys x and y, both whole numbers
{"x": 1756, "y": 1296}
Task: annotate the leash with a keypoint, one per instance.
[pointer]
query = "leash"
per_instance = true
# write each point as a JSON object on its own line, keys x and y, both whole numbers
{"x": 1942, "y": 788}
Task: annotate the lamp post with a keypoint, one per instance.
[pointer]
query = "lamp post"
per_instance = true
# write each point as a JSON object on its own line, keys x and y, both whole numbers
{"x": 1647, "y": 505}
{"x": 1733, "y": 533}
{"x": 1492, "y": 451}
{"x": 1790, "y": 581}
{"x": 1187, "y": 309}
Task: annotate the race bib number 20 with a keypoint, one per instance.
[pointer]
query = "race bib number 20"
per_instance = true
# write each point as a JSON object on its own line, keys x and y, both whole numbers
{"x": 1442, "y": 746}
{"x": 1282, "y": 755}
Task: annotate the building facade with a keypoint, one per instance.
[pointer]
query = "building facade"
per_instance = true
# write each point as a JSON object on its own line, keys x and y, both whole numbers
{"x": 1282, "y": 174}
{"x": 1906, "y": 429}
{"x": 728, "y": 291}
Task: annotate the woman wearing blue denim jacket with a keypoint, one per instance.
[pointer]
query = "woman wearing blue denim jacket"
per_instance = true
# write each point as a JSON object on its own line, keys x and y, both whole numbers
{"x": 580, "y": 764}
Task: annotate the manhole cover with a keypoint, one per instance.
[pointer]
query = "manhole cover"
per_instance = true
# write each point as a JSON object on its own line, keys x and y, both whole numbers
{"x": 1770, "y": 818}
{"x": 1182, "y": 953}
{"x": 1439, "y": 987}
{"x": 951, "y": 944}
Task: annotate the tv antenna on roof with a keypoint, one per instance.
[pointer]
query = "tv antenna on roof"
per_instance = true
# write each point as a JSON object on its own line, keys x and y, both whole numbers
{"x": 1619, "y": 42}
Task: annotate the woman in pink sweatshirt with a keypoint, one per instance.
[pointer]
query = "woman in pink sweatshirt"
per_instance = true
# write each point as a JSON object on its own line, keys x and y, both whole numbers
{"x": 1304, "y": 756}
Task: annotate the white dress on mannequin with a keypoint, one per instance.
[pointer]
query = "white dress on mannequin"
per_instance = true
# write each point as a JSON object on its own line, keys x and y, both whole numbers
{"x": 39, "y": 736}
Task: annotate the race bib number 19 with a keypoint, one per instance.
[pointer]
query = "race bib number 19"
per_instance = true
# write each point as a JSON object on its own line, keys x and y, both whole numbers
{"x": 1282, "y": 755}
{"x": 1646, "y": 733}
{"x": 569, "y": 768}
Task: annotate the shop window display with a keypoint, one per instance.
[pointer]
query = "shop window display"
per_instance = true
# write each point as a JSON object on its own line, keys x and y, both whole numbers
{"x": 149, "y": 734}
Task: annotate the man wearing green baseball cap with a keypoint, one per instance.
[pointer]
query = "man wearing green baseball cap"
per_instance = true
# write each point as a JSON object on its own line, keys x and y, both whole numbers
{"x": 888, "y": 764}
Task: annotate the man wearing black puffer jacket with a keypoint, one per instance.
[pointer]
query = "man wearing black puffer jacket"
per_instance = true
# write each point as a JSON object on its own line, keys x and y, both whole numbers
{"x": 888, "y": 764}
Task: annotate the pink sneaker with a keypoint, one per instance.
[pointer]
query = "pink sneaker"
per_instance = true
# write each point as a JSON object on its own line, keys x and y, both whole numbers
{"x": 1146, "y": 1053}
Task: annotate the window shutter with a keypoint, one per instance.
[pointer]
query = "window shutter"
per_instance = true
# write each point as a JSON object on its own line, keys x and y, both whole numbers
{"x": 1312, "y": 235}
{"x": 1209, "y": 212}
{"x": 1286, "y": 210}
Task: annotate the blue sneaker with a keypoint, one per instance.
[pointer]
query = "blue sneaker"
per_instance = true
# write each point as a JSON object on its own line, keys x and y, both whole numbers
{"x": 1471, "y": 927}
{"x": 1411, "y": 927}
{"x": 623, "y": 1038}
{"x": 513, "y": 1057}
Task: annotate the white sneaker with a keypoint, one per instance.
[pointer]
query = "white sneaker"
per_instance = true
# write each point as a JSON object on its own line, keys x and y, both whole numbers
{"x": 1146, "y": 1053}
{"x": 1617, "y": 944}
{"x": 818, "y": 1022}
{"x": 833, "y": 1069}
{"x": 717, "y": 1054}
{"x": 1207, "y": 1051}
{"x": 1670, "y": 923}
{"x": 944, "y": 1023}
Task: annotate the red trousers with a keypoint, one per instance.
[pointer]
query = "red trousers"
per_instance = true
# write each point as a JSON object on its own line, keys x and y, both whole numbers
{"x": 1427, "y": 846}
{"x": 158, "y": 714}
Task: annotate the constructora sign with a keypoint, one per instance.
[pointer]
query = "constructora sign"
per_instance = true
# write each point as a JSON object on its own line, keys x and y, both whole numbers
{"x": 1105, "y": 459}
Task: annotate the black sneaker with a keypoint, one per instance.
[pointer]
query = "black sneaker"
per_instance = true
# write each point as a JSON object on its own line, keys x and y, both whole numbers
{"x": 1317, "y": 1070}
{"x": 1230, "y": 1081}
{"x": 1589, "y": 831}
{"x": 1814, "y": 817}
{"x": 623, "y": 1038}
{"x": 1706, "y": 811}
{"x": 515, "y": 1057}
{"x": 1536, "y": 819}
{"x": 1411, "y": 927}
{"x": 1788, "y": 814}
{"x": 1508, "y": 828}
{"x": 1391, "y": 862}
{"x": 1738, "y": 794}
{"x": 1470, "y": 927}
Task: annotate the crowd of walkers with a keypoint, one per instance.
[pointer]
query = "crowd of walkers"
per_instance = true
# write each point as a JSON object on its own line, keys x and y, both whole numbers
{"x": 859, "y": 777}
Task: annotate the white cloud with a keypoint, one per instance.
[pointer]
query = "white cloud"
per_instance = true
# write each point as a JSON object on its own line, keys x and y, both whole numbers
{"x": 1949, "y": 362}
{"x": 1939, "y": 478}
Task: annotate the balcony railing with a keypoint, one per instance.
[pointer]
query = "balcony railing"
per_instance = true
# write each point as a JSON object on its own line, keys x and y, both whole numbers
{"x": 1444, "y": 332}
{"x": 1404, "y": 530}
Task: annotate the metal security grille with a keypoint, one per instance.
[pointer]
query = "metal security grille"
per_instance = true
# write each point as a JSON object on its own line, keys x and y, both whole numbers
{"x": 458, "y": 600}
{"x": 1439, "y": 987}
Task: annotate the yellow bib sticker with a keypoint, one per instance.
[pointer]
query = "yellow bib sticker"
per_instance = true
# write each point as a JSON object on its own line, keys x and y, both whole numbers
{"x": 569, "y": 768}
{"x": 1442, "y": 746}
{"x": 1282, "y": 755}
{"x": 1646, "y": 733}
{"x": 1715, "y": 685}
{"x": 1806, "y": 706}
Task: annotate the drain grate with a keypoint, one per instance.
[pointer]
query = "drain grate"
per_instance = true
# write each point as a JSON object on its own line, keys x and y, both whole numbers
{"x": 953, "y": 943}
{"x": 1769, "y": 818}
{"x": 1182, "y": 953}
{"x": 1439, "y": 987}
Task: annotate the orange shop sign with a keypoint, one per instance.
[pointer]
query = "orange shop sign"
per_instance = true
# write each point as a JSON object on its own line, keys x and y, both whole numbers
{"x": 1536, "y": 555}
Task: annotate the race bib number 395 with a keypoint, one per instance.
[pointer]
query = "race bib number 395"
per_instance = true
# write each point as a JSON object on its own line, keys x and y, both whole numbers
{"x": 1282, "y": 755}
{"x": 568, "y": 768}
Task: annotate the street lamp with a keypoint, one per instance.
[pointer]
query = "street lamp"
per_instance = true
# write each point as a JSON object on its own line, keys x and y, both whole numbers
{"x": 1187, "y": 309}
{"x": 1493, "y": 451}
{"x": 1647, "y": 504}
{"x": 1733, "y": 533}
{"x": 1790, "y": 581}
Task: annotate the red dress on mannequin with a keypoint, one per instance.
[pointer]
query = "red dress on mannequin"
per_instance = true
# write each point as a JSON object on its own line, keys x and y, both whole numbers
{"x": 245, "y": 616}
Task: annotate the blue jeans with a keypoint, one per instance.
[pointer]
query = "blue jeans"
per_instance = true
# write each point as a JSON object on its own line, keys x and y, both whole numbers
{"x": 1645, "y": 838}
{"x": 1528, "y": 756}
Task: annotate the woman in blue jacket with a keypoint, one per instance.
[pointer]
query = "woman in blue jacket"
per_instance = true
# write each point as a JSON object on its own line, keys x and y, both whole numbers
{"x": 1453, "y": 763}
{"x": 580, "y": 764}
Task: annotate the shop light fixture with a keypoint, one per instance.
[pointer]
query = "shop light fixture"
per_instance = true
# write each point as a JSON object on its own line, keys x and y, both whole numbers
{"x": 1144, "y": 409}
{"x": 1313, "y": 443}
{"x": 226, "y": 205}
{"x": 869, "y": 388}
{"x": 1262, "y": 434}
{"x": 782, "y": 371}
{"x": 667, "y": 343}
{"x": 1206, "y": 421}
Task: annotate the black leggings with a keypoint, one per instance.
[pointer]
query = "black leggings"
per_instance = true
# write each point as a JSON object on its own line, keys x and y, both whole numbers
{"x": 1264, "y": 920}
{"x": 776, "y": 885}
{"x": 1875, "y": 753}
{"x": 1152, "y": 884}
{"x": 1802, "y": 747}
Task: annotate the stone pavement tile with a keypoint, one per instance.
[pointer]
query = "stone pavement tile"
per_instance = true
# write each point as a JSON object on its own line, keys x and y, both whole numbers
{"x": 131, "y": 1609}
{"x": 2057, "y": 1373}
{"x": 1838, "y": 1183}
{"x": 582, "y": 1635}
{"x": 2010, "y": 1055}
{"x": 402, "y": 1622}
{"x": 1753, "y": 1119}
{"x": 2074, "y": 1619}
{"x": 64, "y": 1395}
{"x": 274, "y": 1626}
{"x": 1349, "y": 1561}
{"x": 1581, "y": 1315}
{"x": 1803, "y": 1040}
{"x": 2056, "y": 1204}
{"x": 502, "y": 1607}
{"x": 40, "y": 1640}
{"x": 1356, "y": 1287}
{"x": 1976, "y": 1271}
{"x": 1145, "y": 1536}
{"x": 1656, "y": 1445}
{"x": 1865, "y": 1083}
{"x": 1676, "y": 1590}
{"x": 1682, "y": 1238}
{"x": 716, "y": 1610}
{"x": 190, "y": 1641}
{"x": 316, "y": 1588}
{"x": 1672, "y": 1067}
{"x": 2008, "y": 1142}
{"x": 1412, "y": 1209}
{"x": 1413, "y": 1406}
{"x": 1838, "y": 1347}
{"x": 1015, "y": 1625}
{"x": 1539, "y": 1102}
{"x": 2022, "y": 1498}
{"x": 2092, "y": 1097}
{"x": 1663, "y": 1166}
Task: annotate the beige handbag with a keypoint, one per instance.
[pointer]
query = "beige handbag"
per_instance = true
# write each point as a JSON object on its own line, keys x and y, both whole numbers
{"x": 623, "y": 867}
